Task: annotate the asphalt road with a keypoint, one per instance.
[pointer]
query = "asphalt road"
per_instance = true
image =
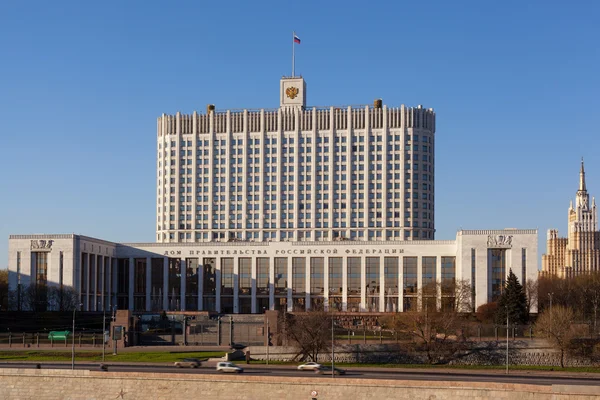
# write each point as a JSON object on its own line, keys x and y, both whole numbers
{"x": 261, "y": 370}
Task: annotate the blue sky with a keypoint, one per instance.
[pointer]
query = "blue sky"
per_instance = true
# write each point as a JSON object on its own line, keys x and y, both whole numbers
{"x": 515, "y": 86}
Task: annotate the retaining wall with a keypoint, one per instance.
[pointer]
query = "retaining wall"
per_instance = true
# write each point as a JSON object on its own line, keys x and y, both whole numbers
{"x": 90, "y": 385}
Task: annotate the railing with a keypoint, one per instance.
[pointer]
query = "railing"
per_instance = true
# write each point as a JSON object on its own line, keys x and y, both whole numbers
{"x": 41, "y": 339}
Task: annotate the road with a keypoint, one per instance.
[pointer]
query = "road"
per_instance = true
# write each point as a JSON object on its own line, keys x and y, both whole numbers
{"x": 537, "y": 378}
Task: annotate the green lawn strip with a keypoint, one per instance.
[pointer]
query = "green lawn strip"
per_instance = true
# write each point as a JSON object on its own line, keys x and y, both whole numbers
{"x": 95, "y": 356}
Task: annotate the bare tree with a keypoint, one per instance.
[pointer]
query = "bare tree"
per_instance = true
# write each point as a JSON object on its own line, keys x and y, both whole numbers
{"x": 486, "y": 313}
{"x": 309, "y": 333}
{"x": 35, "y": 297}
{"x": 589, "y": 296}
{"x": 457, "y": 294}
{"x": 531, "y": 291}
{"x": 4, "y": 289}
{"x": 557, "y": 324}
{"x": 439, "y": 334}
{"x": 61, "y": 298}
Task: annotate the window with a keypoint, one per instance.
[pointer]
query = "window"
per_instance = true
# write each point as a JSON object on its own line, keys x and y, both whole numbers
{"x": 498, "y": 266}
{"x": 335, "y": 275}
{"x": 410, "y": 276}
{"x": 41, "y": 268}
{"x": 317, "y": 275}
{"x": 354, "y": 276}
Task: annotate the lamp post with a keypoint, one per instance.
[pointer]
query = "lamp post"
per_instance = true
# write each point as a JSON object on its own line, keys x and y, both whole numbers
{"x": 114, "y": 318}
{"x": 73, "y": 341}
{"x": 550, "y": 297}
{"x": 103, "y": 329}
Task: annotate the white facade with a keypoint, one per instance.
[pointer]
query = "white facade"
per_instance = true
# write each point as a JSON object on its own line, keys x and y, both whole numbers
{"x": 239, "y": 277}
{"x": 296, "y": 173}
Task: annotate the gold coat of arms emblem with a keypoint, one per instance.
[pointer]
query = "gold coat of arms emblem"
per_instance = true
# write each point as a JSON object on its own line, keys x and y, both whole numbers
{"x": 291, "y": 92}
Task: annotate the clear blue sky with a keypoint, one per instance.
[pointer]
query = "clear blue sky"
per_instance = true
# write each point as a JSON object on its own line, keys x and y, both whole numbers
{"x": 515, "y": 85}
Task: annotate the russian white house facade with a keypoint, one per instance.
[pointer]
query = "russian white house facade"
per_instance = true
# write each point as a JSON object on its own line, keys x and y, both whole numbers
{"x": 295, "y": 208}
{"x": 241, "y": 277}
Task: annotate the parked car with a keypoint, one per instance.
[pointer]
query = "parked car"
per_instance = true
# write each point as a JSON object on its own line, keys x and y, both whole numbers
{"x": 328, "y": 370}
{"x": 309, "y": 366}
{"x": 188, "y": 363}
{"x": 229, "y": 367}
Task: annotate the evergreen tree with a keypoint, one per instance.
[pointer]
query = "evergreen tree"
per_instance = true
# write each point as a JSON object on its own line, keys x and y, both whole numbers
{"x": 514, "y": 300}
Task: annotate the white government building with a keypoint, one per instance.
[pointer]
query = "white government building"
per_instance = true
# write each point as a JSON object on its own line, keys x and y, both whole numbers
{"x": 290, "y": 209}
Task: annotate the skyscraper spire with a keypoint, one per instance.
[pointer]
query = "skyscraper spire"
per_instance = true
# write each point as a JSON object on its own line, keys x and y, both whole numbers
{"x": 582, "y": 178}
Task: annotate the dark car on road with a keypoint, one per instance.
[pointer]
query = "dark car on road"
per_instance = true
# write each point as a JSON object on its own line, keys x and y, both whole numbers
{"x": 188, "y": 362}
{"x": 329, "y": 370}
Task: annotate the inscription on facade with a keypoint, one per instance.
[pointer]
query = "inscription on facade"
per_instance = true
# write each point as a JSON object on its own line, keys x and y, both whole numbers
{"x": 41, "y": 244}
{"x": 499, "y": 241}
{"x": 251, "y": 252}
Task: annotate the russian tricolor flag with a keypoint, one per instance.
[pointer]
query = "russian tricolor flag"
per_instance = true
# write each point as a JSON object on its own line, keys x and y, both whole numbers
{"x": 296, "y": 39}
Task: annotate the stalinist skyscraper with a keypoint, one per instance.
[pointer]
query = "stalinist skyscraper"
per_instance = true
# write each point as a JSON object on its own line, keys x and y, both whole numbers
{"x": 579, "y": 253}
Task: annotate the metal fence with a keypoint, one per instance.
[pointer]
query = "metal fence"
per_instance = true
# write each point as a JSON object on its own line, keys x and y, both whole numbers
{"x": 210, "y": 332}
{"x": 41, "y": 339}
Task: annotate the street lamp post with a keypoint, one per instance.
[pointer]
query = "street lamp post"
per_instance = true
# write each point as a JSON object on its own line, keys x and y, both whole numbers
{"x": 104, "y": 331}
{"x": 73, "y": 341}
{"x": 114, "y": 318}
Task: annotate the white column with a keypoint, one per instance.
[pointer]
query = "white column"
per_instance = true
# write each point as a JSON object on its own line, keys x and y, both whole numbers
{"x": 218, "y": 283}
{"x": 148, "y": 283}
{"x": 113, "y": 278}
{"x": 382, "y": 284}
{"x": 165, "y": 283}
{"x": 419, "y": 282}
{"x": 236, "y": 284}
{"x": 271, "y": 283}
{"x": 400, "y": 284}
{"x": 200, "y": 284}
{"x": 253, "y": 268}
{"x": 86, "y": 303}
{"x": 326, "y": 283}
{"x": 131, "y": 282}
{"x": 438, "y": 280}
{"x": 363, "y": 283}
{"x": 95, "y": 288}
{"x": 344, "y": 283}
{"x": 102, "y": 283}
{"x": 290, "y": 301}
{"x": 183, "y": 277}
{"x": 307, "y": 282}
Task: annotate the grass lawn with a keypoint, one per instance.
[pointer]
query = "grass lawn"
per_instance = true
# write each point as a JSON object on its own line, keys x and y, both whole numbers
{"x": 96, "y": 356}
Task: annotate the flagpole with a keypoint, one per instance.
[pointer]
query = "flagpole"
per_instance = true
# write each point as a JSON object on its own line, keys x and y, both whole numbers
{"x": 293, "y": 53}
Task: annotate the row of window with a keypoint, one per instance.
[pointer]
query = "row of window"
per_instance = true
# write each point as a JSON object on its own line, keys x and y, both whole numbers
{"x": 301, "y": 140}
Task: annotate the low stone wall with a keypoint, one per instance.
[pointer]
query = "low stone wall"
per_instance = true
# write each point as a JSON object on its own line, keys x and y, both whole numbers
{"x": 91, "y": 385}
{"x": 363, "y": 353}
{"x": 482, "y": 353}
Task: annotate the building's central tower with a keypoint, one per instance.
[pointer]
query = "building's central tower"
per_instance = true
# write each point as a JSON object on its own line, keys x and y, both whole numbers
{"x": 292, "y": 92}
{"x": 297, "y": 173}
